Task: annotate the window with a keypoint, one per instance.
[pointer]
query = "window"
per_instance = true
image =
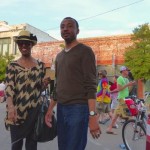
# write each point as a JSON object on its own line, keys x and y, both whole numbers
{"x": 5, "y": 45}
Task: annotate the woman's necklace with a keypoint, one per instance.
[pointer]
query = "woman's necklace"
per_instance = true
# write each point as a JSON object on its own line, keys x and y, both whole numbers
{"x": 28, "y": 64}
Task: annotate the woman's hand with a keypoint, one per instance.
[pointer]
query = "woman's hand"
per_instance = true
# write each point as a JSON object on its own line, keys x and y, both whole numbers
{"x": 12, "y": 113}
{"x": 46, "y": 81}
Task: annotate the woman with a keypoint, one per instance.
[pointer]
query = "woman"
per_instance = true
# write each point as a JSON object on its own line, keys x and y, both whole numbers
{"x": 103, "y": 97}
{"x": 24, "y": 83}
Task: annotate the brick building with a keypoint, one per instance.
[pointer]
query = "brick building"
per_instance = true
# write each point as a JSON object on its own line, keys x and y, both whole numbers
{"x": 109, "y": 50}
{"x": 109, "y": 53}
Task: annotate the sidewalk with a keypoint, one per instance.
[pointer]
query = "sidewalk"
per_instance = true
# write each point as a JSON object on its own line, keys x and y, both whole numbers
{"x": 105, "y": 142}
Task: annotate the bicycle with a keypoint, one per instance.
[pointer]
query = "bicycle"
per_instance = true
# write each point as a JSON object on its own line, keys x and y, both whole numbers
{"x": 134, "y": 130}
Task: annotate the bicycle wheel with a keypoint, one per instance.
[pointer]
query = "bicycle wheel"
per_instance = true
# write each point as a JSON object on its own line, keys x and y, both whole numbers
{"x": 134, "y": 137}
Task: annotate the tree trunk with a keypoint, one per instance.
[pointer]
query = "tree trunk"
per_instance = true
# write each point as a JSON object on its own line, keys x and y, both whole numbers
{"x": 141, "y": 89}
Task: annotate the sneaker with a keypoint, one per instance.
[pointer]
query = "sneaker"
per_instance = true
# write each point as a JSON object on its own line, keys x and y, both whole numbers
{"x": 122, "y": 146}
{"x": 116, "y": 126}
{"x": 107, "y": 120}
{"x": 102, "y": 122}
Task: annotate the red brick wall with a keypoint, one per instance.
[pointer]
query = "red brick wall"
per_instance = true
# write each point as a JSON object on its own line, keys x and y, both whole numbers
{"x": 103, "y": 47}
{"x": 47, "y": 51}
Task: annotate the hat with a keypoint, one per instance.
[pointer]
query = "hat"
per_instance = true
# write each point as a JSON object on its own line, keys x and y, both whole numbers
{"x": 103, "y": 72}
{"x": 26, "y": 36}
{"x": 122, "y": 68}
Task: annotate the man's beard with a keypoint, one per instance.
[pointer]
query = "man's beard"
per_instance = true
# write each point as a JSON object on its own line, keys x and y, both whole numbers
{"x": 70, "y": 40}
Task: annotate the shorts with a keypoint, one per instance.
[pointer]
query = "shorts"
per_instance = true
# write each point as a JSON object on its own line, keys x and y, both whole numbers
{"x": 114, "y": 104}
{"x": 2, "y": 93}
{"x": 102, "y": 107}
{"x": 121, "y": 109}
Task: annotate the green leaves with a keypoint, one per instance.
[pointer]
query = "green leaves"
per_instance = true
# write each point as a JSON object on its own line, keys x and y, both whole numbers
{"x": 4, "y": 60}
{"x": 137, "y": 56}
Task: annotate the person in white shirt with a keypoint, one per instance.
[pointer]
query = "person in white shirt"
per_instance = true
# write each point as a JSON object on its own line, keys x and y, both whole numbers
{"x": 2, "y": 91}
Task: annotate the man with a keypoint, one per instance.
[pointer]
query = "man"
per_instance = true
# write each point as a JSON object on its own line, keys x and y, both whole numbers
{"x": 123, "y": 85}
{"x": 75, "y": 91}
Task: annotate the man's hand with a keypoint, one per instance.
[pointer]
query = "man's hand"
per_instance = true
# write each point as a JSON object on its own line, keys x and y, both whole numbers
{"x": 49, "y": 114}
{"x": 48, "y": 118}
{"x": 131, "y": 83}
{"x": 94, "y": 127}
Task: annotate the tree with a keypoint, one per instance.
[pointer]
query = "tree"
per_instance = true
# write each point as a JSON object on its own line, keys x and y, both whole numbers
{"x": 137, "y": 56}
{"x": 4, "y": 61}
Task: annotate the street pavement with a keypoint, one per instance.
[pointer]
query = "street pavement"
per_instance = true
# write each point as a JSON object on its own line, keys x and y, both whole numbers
{"x": 105, "y": 142}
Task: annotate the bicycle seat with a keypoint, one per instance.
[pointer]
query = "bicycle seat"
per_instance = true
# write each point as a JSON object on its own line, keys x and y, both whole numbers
{"x": 133, "y": 97}
{"x": 142, "y": 100}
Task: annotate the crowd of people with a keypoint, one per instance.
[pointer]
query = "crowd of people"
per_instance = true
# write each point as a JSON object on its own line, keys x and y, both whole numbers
{"x": 80, "y": 101}
{"x": 110, "y": 97}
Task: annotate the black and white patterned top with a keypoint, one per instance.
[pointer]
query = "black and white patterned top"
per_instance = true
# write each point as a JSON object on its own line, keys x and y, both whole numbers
{"x": 23, "y": 85}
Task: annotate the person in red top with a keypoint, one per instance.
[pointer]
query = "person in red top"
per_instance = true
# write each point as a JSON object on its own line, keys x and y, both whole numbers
{"x": 113, "y": 96}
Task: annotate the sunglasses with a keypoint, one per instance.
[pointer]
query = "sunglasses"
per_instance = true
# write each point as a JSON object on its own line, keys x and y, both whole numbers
{"x": 100, "y": 74}
{"x": 26, "y": 43}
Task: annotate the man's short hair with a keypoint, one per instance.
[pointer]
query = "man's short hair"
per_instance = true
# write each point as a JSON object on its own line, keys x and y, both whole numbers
{"x": 74, "y": 21}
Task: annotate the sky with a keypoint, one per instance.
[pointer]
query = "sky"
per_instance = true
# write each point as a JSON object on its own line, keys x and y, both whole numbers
{"x": 96, "y": 17}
